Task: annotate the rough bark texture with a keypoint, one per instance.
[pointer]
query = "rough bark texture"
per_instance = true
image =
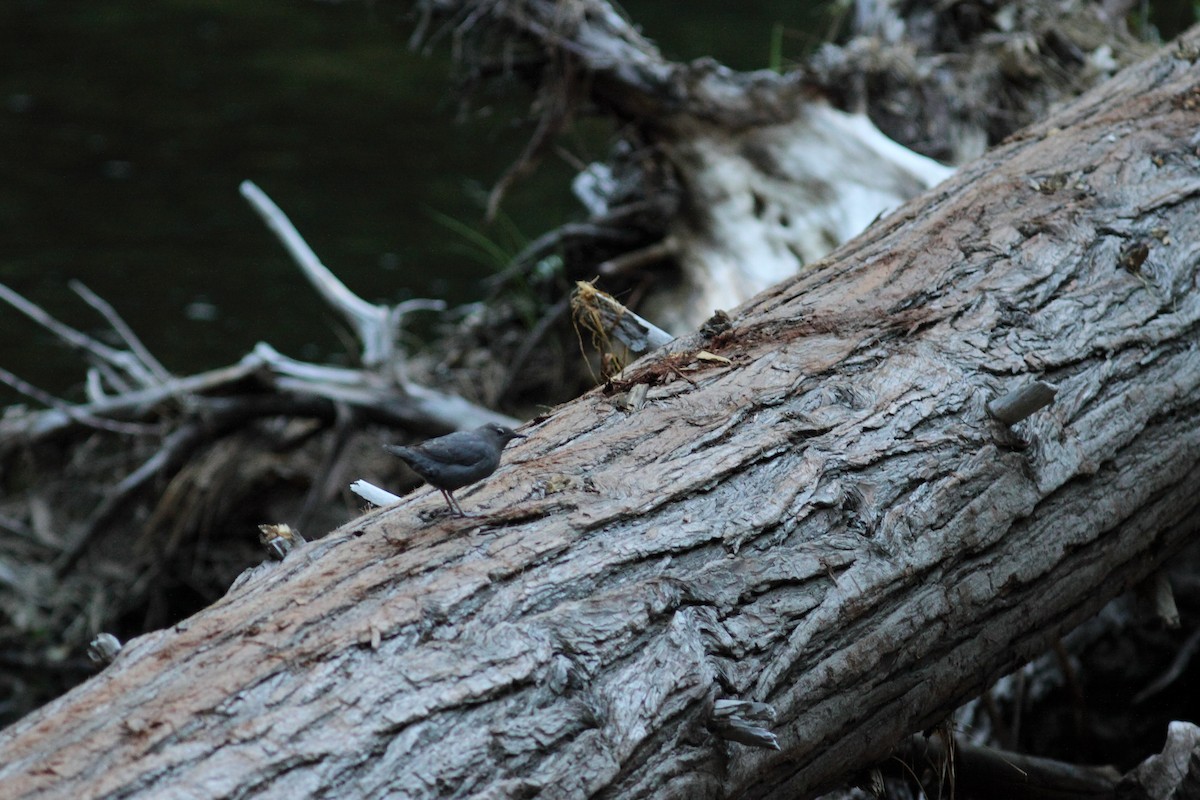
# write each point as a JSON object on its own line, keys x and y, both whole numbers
{"x": 830, "y": 523}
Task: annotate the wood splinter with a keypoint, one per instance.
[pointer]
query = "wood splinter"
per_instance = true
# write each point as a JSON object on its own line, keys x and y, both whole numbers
{"x": 279, "y": 539}
{"x": 103, "y": 649}
{"x": 1022, "y": 402}
{"x": 743, "y": 721}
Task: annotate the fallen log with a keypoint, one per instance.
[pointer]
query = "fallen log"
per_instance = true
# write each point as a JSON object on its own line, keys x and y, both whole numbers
{"x": 830, "y": 524}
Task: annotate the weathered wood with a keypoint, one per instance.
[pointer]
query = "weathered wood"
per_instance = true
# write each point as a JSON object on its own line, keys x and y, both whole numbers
{"x": 771, "y": 176}
{"x": 1173, "y": 773}
{"x": 831, "y": 524}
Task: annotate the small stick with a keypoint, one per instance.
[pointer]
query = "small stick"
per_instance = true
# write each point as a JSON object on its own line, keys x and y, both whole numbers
{"x": 172, "y": 451}
{"x": 628, "y": 262}
{"x": 373, "y": 494}
{"x": 60, "y": 414}
{"x": 66, "y": 332}
{"x": 1155, "y": 599}
{"x": 1021, "y": 403}
{"x": 344, "y": 426}
{"x": 1177, "y": 668}
{"x": 123, "y": 330}
{"x": 527, "y": 347}
{"x": 396, "y": 316}
{"x": 77, "y": 413}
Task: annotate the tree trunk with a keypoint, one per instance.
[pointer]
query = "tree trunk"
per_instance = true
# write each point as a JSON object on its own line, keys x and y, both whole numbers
{"x": 828, "y": 522}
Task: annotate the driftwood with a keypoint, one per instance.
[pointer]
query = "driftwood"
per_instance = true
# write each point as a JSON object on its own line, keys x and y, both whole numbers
{"x": 106, "y": 502}
{"x": 742, "y": 178}
{"x": 131, "y": 383}
{"x": 128, "y": 389}
{"x": 1174, "y": 773}
{"x": 775, "y": 176}
{"x": 830, "y": 524}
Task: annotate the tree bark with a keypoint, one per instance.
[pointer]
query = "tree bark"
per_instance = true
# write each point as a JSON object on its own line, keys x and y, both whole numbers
{"x": 830, "y": 522}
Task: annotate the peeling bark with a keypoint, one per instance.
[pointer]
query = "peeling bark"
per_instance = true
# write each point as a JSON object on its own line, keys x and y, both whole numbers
{"x": 831, "y": 524}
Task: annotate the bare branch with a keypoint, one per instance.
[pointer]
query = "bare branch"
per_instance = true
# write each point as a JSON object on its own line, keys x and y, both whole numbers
{"x": 29, "y": 427}
{"x": 94, "y": 347}
{"x": 122, "y": 329}
{"x": 77, "y": 414}
{"x": 369, "y": 321}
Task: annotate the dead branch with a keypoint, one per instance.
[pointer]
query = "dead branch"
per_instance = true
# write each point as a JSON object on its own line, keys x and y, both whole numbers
{"x": 119, "y": 326}
{"x": 156, "y": 466}
{"x": 989, "y": 774}
{"x": 768, "y": 176}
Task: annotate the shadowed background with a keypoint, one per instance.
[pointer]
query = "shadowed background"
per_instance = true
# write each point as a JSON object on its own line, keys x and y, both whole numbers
{"x": 125, "y": 130}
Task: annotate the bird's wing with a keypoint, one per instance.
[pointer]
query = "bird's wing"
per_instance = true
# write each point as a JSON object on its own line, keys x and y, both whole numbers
{"x": 460, "y": 447}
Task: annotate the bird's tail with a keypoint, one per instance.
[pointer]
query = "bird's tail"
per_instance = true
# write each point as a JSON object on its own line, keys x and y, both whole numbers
{"x": 398, "y": 450}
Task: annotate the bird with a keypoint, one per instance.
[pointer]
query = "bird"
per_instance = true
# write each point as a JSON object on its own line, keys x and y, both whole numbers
{"x": 457, "y": 459}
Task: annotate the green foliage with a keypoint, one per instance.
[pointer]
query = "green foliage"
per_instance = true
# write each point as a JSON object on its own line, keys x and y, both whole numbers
{"x": 775, "y": 59}
{"x": 492, "y": 252}
{"x": 496, "y": 249}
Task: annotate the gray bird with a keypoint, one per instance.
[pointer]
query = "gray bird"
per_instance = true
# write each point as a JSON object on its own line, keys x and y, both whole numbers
{"x": 457, "y": 459}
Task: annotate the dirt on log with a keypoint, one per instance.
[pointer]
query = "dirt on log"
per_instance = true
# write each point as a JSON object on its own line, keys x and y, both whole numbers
{"x": 828, "y": 522}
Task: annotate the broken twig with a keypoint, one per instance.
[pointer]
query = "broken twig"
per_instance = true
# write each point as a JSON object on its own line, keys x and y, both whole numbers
{"x": 1021, "y": 403}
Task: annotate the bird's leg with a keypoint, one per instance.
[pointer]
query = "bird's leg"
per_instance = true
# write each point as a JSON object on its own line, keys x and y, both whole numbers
{"x": 454, "y": 506}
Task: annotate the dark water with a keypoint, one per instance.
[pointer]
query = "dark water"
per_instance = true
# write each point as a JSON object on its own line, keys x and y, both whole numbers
{"x": 126, "y": 127}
